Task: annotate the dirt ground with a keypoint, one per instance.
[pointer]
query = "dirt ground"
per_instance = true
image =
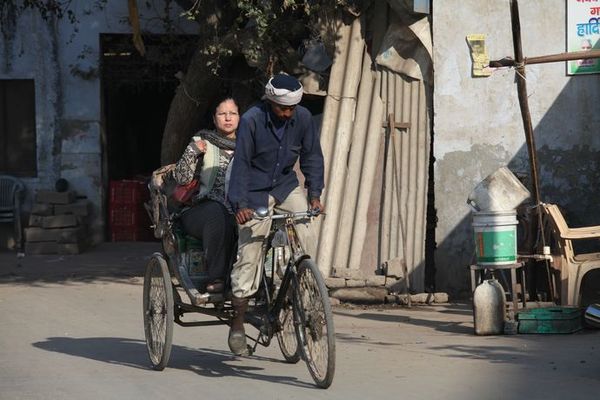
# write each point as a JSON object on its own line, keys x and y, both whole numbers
{"x": 72, "y": 329}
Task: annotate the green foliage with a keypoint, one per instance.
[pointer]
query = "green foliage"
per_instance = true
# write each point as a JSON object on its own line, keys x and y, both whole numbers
{"x": 264, "y": 31}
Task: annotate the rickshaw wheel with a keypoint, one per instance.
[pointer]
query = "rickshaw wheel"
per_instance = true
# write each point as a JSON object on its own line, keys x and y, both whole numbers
{"x": 288, "y": 343}
{"x": 315, "y": 332}
{"x": 158, "y": 311}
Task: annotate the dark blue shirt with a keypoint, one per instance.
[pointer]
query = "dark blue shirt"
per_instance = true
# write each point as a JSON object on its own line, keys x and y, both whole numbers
{"x": 263, "y": 162}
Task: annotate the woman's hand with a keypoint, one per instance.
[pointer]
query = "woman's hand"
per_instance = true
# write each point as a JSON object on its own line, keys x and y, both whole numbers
{"x": 201, "y": 146}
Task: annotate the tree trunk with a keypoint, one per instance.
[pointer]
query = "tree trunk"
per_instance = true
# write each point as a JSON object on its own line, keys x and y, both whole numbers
{"x": 193, "y": 96}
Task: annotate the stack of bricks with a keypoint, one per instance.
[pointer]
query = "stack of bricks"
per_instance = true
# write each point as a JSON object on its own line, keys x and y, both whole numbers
{"x": 56, "y": 224}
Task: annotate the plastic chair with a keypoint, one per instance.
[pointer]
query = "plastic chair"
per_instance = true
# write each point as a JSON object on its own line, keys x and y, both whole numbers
{"x": 11, "y": 196}
{"x": 572, "y": 267}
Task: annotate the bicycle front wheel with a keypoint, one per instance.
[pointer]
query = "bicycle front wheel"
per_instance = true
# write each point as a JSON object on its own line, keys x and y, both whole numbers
{"x": 158, "y": 311}
{"x": 286, "y": 336}
{"x": 314, "y": 328}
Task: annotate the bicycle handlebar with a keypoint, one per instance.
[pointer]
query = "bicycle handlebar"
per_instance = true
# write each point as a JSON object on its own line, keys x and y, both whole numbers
{"x": 260, "y": 214}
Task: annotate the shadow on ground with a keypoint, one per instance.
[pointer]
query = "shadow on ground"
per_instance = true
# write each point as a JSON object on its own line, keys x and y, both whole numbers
{"x": 132, "y": 353}
{"x": 419, "y": 317}
{"x": 110, "y": 262}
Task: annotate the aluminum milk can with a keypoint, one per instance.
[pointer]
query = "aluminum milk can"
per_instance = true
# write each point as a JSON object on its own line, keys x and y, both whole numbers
{"x": 489, "y": 305}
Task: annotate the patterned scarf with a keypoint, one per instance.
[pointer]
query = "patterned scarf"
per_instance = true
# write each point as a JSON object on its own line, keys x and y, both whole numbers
{"x": 217, "y": 139}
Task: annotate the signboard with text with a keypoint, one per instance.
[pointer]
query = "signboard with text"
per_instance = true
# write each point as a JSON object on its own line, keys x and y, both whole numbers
{"x": 583, "y": 33}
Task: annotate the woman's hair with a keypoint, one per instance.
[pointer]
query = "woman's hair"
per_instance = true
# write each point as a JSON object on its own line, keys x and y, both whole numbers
{"x": 222, "y": 99}
{"x": 210, "y": 113}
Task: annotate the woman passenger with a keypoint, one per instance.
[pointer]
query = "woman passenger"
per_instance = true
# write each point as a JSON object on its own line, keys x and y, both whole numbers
{"x": 210, "y": 218}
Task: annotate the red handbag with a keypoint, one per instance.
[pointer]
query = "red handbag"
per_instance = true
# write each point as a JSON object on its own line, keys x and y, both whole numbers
{"x": 184, "y": 193}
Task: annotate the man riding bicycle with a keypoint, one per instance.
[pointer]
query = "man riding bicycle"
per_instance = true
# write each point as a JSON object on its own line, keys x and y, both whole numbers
{"x": 271, "y": 137}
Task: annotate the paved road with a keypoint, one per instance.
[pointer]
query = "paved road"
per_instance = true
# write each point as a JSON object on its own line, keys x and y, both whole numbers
{"x": 71, "y": 328}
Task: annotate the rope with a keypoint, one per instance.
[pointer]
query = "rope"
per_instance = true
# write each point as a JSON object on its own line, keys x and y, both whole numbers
{"x": 196, "y": 101}
{"x": 519, "y": 66}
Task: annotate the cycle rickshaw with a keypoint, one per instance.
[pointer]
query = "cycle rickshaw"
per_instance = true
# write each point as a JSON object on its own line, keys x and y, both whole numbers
{"x": 292, "y": 303}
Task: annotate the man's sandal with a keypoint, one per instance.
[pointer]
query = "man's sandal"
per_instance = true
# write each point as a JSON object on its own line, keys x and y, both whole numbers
{"x": 237, "y": 343}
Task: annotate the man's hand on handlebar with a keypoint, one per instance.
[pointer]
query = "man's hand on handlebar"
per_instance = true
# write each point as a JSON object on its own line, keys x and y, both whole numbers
{"x": 316, "y": 206}
{"x": 244, "y": 215}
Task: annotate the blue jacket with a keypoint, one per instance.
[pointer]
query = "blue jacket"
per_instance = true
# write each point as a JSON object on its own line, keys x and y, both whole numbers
{"x": 263, "y": 163}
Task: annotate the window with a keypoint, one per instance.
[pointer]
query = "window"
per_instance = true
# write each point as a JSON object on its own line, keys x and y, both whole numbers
{"x": 17, "y": 128}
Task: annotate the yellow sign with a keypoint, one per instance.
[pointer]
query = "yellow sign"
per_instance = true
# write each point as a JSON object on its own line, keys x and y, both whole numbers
{"x": 481, "y": 60}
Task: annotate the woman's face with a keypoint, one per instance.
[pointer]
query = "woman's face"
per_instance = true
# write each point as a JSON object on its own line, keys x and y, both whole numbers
{"x": 227, "y": 118}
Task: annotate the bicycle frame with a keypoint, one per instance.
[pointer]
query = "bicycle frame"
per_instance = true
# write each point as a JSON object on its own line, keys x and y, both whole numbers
{"x": 289, "y": 278}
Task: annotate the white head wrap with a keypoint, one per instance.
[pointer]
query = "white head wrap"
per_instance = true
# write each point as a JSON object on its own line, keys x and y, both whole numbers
{"x": 283, "y": 96}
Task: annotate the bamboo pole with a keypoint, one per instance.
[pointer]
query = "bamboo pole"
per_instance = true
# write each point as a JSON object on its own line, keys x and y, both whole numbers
{"x": 367, "y": 177}
{"x": 355, "y": 163}
{"x": 526, "y": 117}
{"x": 577, "y": 55}
{"x": 337, "y": 173}
{"x": 331, "y": 109}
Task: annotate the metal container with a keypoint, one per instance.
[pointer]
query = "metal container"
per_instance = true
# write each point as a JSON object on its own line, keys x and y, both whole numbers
{"x": 489, "y": 305}
{"x": 499, "y": 191}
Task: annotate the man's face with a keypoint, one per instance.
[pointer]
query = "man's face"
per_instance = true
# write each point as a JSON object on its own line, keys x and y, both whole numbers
{"x": 282, "y": 112}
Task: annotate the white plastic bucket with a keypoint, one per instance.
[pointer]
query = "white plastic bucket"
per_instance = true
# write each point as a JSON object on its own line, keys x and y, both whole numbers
{"x": 495, "y": 237}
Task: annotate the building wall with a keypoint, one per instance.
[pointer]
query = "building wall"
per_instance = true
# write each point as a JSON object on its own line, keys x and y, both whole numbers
{"x": 478, "y": 128}
{"x": 63, "y": 59}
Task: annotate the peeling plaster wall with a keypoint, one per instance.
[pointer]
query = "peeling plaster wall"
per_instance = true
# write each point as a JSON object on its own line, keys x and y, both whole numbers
{"x": 478, "y": 128}
{"x": 63, "y": 59}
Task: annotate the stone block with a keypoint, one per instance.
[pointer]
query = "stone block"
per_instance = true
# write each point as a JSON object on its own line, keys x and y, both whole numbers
{"x": 41, "y": 248}
{"x": 35, "y": 220}
{"x": 42, "y": 209}
{"x": 70, "y": 248}
{"x": 440, "y": 297}
{"x": 59, "y": 221}
{"x": 360, "y": 295}
{"x": 60, "y": 235}
{"x": 422, "y": 298}
{"x": 355, "y": 283}
{"x": 80, "y": 208}
{"x": 396, "y": 285}
{"x": 395, "y": 267}
{"x": 351, "y": 274}
{"x": 51, "y": 197}
{"x": 334, "y": 302}
{"x": 376, "y": 280}
{"x": 333, "y": 283}
{"x": 391, "y": 299}
{"x": 402, "y": 299}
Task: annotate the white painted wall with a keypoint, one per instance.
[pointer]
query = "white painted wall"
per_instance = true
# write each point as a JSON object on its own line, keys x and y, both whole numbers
{"x": 46, "y": 51}
{"x": 477, "y": 121}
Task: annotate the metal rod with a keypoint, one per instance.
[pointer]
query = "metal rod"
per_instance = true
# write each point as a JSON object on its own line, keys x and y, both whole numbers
{"x": 388, "y": 132}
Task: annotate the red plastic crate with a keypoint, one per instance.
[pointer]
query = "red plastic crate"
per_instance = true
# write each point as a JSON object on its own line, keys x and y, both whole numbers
{"x": 128, "y": 192}
{"x": 128, "y": 215}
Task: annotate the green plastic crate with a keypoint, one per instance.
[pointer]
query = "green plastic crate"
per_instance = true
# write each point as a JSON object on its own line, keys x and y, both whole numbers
{"x": 550, "y": 320}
